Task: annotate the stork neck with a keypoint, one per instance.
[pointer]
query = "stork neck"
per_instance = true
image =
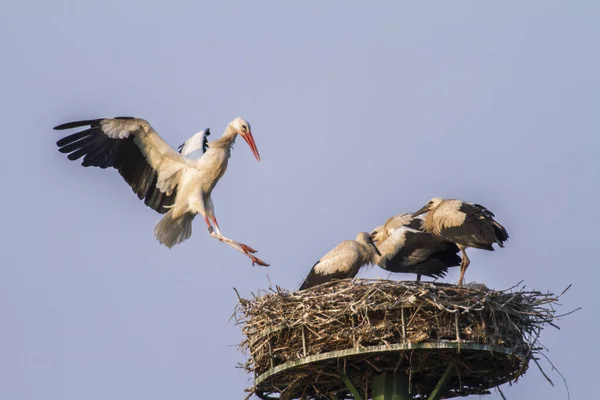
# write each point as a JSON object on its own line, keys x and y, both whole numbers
{"x": 226, "y": 141}
{"x": 374, "y": 258}
{"x": 368, "y": 251}
{"x": 428, "y": 224}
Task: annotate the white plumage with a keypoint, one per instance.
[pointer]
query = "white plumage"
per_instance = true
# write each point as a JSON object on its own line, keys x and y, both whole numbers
{"x": 178, "y": 184}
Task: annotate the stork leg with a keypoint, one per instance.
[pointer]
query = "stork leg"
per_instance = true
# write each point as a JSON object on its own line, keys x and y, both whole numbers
{"x": 242, "y": 248}
{"x": 247, "y": 249}
{"x": 210, "y": 228}
{"x": 216, "y": 225}
{"x": 463, "y": 265}
{"x": 215, "y": 231}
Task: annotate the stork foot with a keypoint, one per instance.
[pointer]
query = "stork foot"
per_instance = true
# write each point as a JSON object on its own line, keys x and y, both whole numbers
{"x": 257, "y": 261}
{"x": 247, "y": 248}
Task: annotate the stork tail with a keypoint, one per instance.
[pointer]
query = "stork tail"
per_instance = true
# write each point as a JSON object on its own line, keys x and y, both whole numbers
{"x": 171, "y": 231}
{"x": 501, "y": 233}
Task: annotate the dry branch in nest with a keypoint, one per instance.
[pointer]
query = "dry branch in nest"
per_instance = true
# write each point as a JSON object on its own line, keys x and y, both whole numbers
{"x": 304, "y": 344}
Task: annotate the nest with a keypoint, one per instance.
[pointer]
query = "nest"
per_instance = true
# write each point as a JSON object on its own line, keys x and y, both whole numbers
{"x": 325, "y": 340}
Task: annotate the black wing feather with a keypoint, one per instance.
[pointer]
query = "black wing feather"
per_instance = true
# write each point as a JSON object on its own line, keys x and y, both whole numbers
{"x": 415, "y": 223}
{"x": 98, "y": 150}
{"x": 205, "y": 141}
{"x": 434, "y": 265}
{"x": 77, "y": 124}
{"x": 479, "y": 230}
{"x": 313, "y": 279}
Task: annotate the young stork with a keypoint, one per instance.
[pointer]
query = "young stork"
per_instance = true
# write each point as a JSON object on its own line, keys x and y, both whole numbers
{"x": 178, "y": 184}
{"x": 344, "y": 261}
{"x": 466, "y": 224}
{"x": 406, "y": 248}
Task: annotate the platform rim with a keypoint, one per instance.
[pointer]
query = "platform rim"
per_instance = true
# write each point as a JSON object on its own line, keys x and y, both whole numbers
{"x": 466, "y": 345}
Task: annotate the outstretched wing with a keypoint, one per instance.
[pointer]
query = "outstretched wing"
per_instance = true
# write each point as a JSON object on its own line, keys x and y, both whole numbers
{"x": 130, "y": 145}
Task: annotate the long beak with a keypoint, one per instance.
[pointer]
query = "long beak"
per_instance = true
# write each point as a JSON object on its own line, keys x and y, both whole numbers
{"x": 250, "y": 140}
{"x": 421, "y": 211}
{"x": 376, "y": 249}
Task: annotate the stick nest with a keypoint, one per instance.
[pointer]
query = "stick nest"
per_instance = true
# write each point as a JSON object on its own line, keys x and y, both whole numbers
{"x": 305, "y": 344}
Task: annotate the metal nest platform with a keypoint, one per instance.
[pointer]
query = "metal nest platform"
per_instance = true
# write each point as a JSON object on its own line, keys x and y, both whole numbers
{"x": 332, "y": 340}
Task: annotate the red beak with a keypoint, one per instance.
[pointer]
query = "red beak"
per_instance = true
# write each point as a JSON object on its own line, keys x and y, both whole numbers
{"x": 250, "y": 140}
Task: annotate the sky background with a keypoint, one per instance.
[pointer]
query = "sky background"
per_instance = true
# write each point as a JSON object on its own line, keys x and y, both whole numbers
{"x": 360, "y": 111}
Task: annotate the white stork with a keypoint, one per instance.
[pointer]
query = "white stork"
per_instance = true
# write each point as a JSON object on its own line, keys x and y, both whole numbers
{"x": 466, "y": 224}
{"x": 344, "y": 261}
{"x": 405, "y": 248}
{"x": 178, "y": 184}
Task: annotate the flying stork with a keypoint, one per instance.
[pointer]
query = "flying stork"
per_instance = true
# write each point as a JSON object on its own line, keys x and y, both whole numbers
{"x": 406, "y": 248}
{"x": 177, "y": 184}
{"x": 344, "y": 261}
{"x": 466, "y": 224}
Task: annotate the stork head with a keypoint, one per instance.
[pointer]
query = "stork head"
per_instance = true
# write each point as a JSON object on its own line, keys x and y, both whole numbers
{"x": 431, "y": 205}
{"x": 242, "y": 128}
{"x": 378, "y": 234}
{"x": 365, "y": 239}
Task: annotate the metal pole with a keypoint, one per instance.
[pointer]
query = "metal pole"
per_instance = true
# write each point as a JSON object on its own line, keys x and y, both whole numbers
{"x": 350, "y": 386}
{"x": 441, "y": 385}
{"x": 387, "y": 386}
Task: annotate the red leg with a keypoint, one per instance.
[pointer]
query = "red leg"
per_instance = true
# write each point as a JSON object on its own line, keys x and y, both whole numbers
{"x": 257, "y": 261}
{"x": 239, "y": 247}
{"x": 210, "y": 228}
{"x": 214, "y": 219}
{"x": 462, "y": 275}
{"x": 463, "y": 266}
{"x": 245, "y": 247}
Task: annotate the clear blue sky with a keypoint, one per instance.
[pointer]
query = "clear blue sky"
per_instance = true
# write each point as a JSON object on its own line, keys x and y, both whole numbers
{"x": 360, "y": 111}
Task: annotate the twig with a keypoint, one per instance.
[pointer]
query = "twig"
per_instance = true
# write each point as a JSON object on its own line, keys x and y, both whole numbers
{"x": 559, "y": 373}
{"x": 500, "y": 391}
{"x": 542, "y": 371}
